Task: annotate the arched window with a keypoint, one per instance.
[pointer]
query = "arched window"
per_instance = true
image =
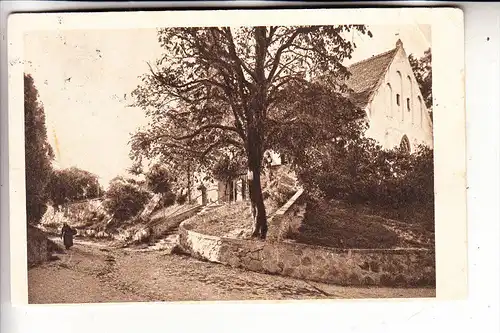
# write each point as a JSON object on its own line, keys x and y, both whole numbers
{"x": 409, "y": 100}
{"x": 399, "y": 96}
{"x": 388, "y": 101}
{"x": 420, "y": 111}
{"x": 405, "y": 144}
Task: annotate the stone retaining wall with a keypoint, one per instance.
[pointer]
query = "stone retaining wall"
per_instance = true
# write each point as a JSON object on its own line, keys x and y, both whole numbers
{"x": 383, "y": 267}
{"x": 380, "y": 267}
{"x": 200, "y": 246}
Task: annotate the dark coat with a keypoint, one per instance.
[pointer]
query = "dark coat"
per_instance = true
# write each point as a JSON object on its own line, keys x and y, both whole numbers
{"x": 67, "y": 234}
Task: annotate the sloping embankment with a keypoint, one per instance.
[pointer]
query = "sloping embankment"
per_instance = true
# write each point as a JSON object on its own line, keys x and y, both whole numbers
{"x": 39, "y": 247}
{"x": 407, "y": 267}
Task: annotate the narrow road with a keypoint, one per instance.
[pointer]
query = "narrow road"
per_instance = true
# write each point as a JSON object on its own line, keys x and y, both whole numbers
{"x": 93, "y": 273}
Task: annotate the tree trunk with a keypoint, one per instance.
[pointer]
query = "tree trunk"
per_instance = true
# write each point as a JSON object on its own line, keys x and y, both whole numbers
{"x": 230, "y": 190}
{"x": 255, "y": 186}
{"x": 243, "y": 189}
{"x": 255, "y": 126}
{"x": 258, "y": 207}
{"x": 203, "y": 190}
{"x": 235, "y": 182}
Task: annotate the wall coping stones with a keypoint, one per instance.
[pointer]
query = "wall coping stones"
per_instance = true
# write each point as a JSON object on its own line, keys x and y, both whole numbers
{"x": 174, "y": 214}
{"x": 186, "y": 225}
{"x": 383, "y": 267}
{"x": 210, "y": 237}
{"x": 283, "y": 209}
{"x": 404, "y": 267}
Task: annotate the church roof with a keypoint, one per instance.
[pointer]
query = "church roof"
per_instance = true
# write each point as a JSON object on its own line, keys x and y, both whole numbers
{"x": 366, "y": 76}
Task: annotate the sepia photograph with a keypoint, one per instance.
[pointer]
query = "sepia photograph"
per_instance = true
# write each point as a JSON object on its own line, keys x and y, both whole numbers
{"x": 212, "y": 163}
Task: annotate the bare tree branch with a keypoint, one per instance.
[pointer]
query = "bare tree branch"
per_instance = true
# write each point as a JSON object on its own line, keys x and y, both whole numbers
{"x": 282, "y": 48}
{"x": 234, "y": 56}
{"x": 204, "y": 128}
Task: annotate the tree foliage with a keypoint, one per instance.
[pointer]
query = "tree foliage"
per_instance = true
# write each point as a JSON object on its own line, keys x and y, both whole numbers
{"x": 334, "y": 160}
{"x": 366, "y": 173}
{"x": 38, "y": 153}
{"x": 72, "y": 184}
{"x": 313, "y": 117}
{"x": 136, "y": 169}
{"x": 160, "y": 179}
{"x": 216, "y": 89}
{"x": 228, "y": 168}
{"x": 422, "y": 68}
{"x": 124, "y": 200}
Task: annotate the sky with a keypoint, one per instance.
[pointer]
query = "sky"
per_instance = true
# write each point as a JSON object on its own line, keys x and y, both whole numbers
{"x": 85, "y": 77}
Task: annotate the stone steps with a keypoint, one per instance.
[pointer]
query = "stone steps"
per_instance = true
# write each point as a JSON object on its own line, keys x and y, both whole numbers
{"x": 170, "y": 240}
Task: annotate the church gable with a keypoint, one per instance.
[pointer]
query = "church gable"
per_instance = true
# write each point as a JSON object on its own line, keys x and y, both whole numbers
{"x": 385, "y": 86}
{"x": 397, "y": 108}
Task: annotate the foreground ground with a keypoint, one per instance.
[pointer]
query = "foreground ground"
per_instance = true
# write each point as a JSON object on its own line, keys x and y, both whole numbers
{"x": 96, "y": 273}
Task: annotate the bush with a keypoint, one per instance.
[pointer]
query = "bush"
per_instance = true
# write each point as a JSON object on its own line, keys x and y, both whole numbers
{"x": 125, "y": 200}
{"x": 365, "y": 173}
{"x": 181, "y": 199}
{"x": 168, "y": 199}
{"x": 159, "y": 179}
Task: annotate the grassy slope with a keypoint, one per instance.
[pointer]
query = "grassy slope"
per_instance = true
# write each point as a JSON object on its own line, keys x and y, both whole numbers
{"x": 342, "y": 226}
{"x": 225, "y": 219}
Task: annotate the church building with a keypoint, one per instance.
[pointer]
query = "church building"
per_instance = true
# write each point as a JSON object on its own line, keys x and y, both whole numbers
{"x": 385, "y": 87}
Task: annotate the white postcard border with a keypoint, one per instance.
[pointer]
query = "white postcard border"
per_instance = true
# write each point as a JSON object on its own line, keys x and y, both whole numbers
{"x": 449, "y": 112}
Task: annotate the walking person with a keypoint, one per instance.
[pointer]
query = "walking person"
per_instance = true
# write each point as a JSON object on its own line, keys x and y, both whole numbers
{"x": 67, "y": 234}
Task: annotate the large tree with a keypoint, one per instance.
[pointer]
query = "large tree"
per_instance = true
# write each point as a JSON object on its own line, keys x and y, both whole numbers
{"x": 38, "y": 153}
{"x": 214, "y": 88}
{"x": 422, "y": 68}
{"x": 72, "y": 184}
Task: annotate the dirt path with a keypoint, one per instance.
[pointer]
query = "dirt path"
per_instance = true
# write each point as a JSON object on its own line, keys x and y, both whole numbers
{"x": 93, "y": 273}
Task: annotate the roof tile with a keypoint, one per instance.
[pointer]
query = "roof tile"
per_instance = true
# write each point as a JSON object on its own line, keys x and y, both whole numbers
{"x": 366, "y": 74}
